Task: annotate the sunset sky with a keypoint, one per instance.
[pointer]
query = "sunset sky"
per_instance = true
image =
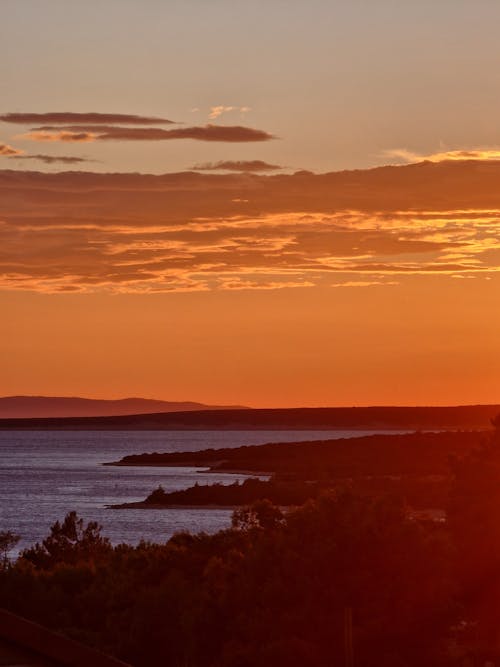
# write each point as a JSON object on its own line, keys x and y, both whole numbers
{"x": 267, "y": 203}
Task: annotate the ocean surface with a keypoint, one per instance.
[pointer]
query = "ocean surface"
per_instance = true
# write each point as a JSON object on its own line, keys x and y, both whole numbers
{"x": 45, "y": 474}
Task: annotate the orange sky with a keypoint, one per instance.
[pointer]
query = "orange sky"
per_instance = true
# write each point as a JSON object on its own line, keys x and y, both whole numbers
{"x": 207, "y": 210}
{"x": 396, "y": 345}
{"x": 215, "y": 288}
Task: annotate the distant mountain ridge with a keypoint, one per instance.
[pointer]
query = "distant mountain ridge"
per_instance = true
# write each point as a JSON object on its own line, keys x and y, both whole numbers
{"x": 464, "y": 417}
{"x": 28, "y": 407}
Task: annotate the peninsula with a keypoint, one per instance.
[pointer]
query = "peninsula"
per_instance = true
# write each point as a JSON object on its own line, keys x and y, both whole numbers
{"x": 414, "y": 466}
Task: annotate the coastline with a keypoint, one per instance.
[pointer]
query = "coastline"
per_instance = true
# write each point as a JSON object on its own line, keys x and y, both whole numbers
{"x": 141, "y": 504}
{"x": 175, "y": 464}
{"x": 206, "y": 470}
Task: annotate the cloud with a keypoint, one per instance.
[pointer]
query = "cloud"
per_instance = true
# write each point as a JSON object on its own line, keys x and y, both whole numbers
{"x": 217, "y": 111}
{"x": 63, "y": 135}
{"x": 53, "y": 159}
{"x": 365, "y": 283}
{"x": 67, "y": 117}
{"x": 443, "y": 156}
{"x": 237, "y": 165}
{"x": 9, "y": 151}
{"x": 95, "y": 129}
{"x": 82, "y": 231}
{"x": 238, "y": 284}
{"x": 223, "y": 133}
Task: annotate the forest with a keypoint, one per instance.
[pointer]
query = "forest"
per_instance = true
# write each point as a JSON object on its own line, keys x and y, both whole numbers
{"x": 276, "y": 587}
{"x": 279, "y": 492}
{"x": 412, "y": 466}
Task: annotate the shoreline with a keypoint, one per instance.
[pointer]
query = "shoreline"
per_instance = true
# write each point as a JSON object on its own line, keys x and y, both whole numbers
{"x": 209, "y": 470}
{"x": 141, "y": 504}
{"x": 181, "y": 464}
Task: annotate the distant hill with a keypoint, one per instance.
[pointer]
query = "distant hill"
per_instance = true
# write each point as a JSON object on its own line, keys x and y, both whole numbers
{"x": 22, "y": 407}
{"x": 468, "y": 417}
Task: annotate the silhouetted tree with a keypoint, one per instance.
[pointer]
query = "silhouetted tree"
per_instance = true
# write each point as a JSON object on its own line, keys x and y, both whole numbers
{"x": 474, "y": 521}
{"x": 69, "y": 542}
{"x": 8, "y": 541}
{"x": 262, "y": 514}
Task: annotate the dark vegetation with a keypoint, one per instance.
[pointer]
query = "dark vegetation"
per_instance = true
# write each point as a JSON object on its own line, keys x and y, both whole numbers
{"x": 371, "y": 418}
{"x": 413, "y": 453}
{"x": 276, "y": 588}
{"x": 8, "y": 541}
{"x": 414, "y": 467}
{"x": 276, "y": 491}
{"x": 271, "y": 591}
{"x": 427, "y": 493}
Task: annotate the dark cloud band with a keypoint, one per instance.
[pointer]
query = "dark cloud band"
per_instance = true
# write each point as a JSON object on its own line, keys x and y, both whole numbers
{"x": 67, "y": 117}
{"x": 52, "y": 159}
{"x": 227, "y": 133}
{"x": 222, "y": 133}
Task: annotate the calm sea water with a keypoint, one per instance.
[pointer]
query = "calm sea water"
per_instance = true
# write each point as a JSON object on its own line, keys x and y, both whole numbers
{"x": 45, "y": 474}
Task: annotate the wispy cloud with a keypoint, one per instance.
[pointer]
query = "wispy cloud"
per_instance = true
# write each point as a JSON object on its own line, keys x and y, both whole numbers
{"x": 222, "y": 133}
{"x": 365, "y": 283}
{"x": 238, "y": 284}
{"x": 63, "y": 135}
{"x": 482, "y": 154}
{"x": 237, "y": 165}
{"x": 68, "y": 117}
{"x": 217, "y": 111}
{"x": 9, "y": 151}
{"x": 53, "y": 159}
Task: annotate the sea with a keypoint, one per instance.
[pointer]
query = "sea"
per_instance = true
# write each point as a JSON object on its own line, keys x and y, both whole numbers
{"x": 45, "y": 474}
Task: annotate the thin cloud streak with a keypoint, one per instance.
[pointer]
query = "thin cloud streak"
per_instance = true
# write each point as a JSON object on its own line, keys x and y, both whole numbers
{"x": 238, "y": 284}
{"x": 366, "y": 283}
{"x": 52, "y": 159}
{"x": 222, "y": 133}
{"x": 237, "y": 165}
{"x": 68, "y": 117}
{"x": 64, "y": 136}
{"x": 408, "y": 156}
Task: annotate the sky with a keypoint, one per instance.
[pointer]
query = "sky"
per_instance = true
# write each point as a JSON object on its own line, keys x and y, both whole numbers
{"x": 267, "y": 203}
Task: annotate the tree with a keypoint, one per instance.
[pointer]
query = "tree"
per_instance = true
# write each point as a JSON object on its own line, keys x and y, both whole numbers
{"x": 69, "y": 542}
{"x": 496, "y": 425}
{"x": 474, "y": 520}
{"x": 262, "y": 514}
{"x": 8, "y": 541}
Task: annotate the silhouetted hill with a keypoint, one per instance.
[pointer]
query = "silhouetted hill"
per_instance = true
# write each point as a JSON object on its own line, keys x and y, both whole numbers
{"x": 22, "y": 407}
{"x": 371, "y": 418}
{"x": 423, "y": 453}
{"x": 414, "y": 466}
